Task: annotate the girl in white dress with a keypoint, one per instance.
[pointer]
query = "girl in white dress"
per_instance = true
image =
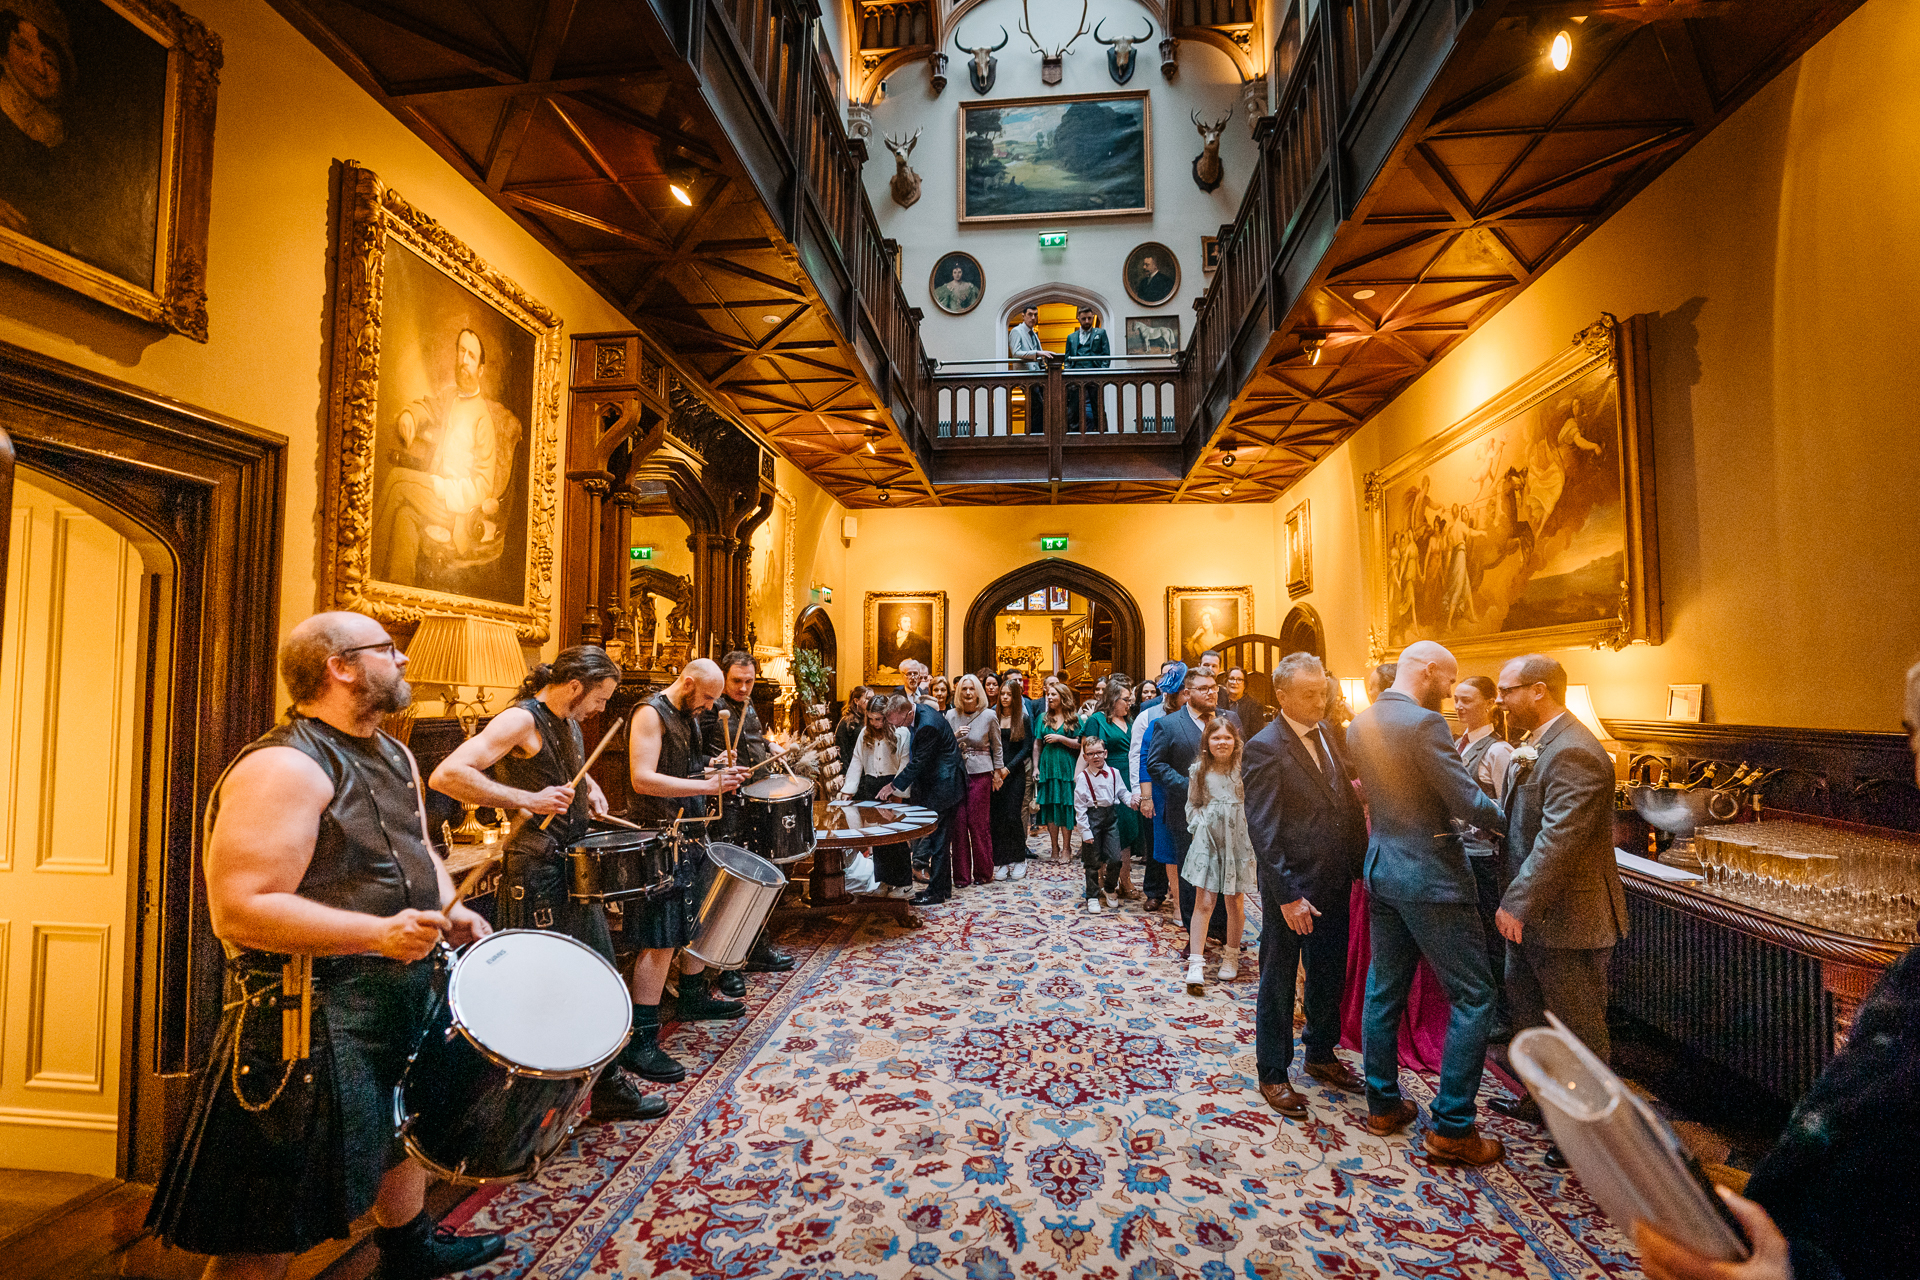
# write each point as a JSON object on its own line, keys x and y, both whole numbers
{"x": 1220, "y": 861}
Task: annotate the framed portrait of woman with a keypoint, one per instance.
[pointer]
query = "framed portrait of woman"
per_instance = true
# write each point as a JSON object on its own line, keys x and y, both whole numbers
{"x": 106, "y": 152}
{"x": 1203, "y": 618}
{"x": 957, "y": 283}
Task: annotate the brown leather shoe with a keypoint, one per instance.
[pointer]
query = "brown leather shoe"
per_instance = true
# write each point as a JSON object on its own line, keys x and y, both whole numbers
{"x": 1471, "y": 1150}
{"x": 1403, "y": 1114}
{"x": 1337, "y": 1074}
{"x": 1285, "y": 1099}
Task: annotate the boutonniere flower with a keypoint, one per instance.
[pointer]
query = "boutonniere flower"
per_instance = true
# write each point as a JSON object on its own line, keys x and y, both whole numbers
{"x": 1525, "y": 756}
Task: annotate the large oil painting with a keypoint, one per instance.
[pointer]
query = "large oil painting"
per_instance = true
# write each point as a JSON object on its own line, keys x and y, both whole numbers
{"x": 770, "y": 580}
{"x": 904, "y": 625}
{"x": 441, "y": 485}
{"x": 1066, "y": 157}
{"x": 106, "y": 146}
{"x": 1203, "y": 618}
{"x": 1528, "y": 525}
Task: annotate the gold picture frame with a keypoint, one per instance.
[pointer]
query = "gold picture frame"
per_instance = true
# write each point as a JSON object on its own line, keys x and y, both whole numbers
{"x": 888, "y": 645}
{"x": 441, "y": 495}
{"x": 1203, "y": 618}
{"x": 1530, "y": 524}
{"x": 986, "y": 180}
{"x": 1299, "y": 551}
{"x": 114, "y": 203}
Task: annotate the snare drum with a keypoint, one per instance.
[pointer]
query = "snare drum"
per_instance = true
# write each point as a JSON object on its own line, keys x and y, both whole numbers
{"x": 779, "y": 815}
{"x": 611, "y": 866}
{"x": 534, "y": 1017}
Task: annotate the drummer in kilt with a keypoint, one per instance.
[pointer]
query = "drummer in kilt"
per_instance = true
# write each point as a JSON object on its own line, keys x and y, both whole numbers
{"x": 317, "y": 847}
{"x": 525, "y": 759}
{"x": 750, "y": 749}
{"x": 666, "y": 758}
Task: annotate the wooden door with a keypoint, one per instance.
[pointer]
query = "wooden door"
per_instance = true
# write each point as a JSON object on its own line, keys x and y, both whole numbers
{"x": 72, "y": 699}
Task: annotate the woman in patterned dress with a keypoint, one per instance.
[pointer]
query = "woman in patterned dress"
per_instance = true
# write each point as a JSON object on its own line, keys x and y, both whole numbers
{"x": 1220, "y": 861}
{"x": 1059, "y": 735}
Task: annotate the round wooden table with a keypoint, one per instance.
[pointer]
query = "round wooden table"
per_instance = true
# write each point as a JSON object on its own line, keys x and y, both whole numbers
{"x": 845, "y": 829}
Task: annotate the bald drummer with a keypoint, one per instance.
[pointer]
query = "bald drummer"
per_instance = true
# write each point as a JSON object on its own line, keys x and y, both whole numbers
{"x": 667, "y": 756}
{"x": 318, "y": 853}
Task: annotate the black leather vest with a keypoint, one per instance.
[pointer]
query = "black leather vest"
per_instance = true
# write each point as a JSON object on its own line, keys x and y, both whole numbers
{"x": 369, "y": 854}
{"x": 682, "y": 755}
{"x": 559, "y": 757}
{"x": 749, "y": 736}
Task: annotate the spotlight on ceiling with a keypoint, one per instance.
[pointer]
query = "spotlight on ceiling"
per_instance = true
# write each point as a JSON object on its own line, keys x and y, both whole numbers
{"x": 682, "y": 183}
{"x": 1560, "y": 52}
{"x": 1227, "y": 459}
{"x": 1313, "y": 346}
{"x": 1226, "y": 491}
{"x": 882, "y": 494}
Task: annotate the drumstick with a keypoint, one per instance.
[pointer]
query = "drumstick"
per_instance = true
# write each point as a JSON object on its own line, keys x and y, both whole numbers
{"x": 719, "y": 791}
{"x": 473, "y": 878}
{"x": 620, "y": 822}
{"x": 611, "y": 730}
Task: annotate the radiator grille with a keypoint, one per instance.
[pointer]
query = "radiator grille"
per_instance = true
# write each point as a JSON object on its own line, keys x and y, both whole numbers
{"x": 1755, "y": 1008}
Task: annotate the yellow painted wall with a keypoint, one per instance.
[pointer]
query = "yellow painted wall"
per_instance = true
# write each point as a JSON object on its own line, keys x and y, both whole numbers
{"x": 285, "y": 114}
{"x": 960, "y": 550}
{"x": 1775, "y": 260}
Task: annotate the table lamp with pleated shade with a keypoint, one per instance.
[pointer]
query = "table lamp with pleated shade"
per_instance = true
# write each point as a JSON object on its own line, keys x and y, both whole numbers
{"x": 466, "y": 653}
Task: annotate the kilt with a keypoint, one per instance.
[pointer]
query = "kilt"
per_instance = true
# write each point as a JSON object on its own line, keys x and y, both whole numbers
{"x": 297, "y": 1172}
{"x": 534, "y": 884}
{"x": 667, "y": 923}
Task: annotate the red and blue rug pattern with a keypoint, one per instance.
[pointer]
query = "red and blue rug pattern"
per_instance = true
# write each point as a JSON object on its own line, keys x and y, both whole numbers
{"x": 1021, "y": 1091}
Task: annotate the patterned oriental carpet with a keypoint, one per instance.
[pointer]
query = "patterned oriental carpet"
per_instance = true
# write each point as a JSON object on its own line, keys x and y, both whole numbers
{"x": 1020, "y": 1091}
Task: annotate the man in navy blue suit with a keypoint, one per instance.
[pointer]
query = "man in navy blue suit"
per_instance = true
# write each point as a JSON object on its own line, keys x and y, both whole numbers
{"x": 1423, "y": 900}
{"x": 1309, "y": 837}
{"x": 934, "y": 773}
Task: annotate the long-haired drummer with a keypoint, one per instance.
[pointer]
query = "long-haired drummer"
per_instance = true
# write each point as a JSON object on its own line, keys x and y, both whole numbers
{"x": 317, "y": 847}
{"x": 667, "y": 756}
{"x": 525, "y": 759}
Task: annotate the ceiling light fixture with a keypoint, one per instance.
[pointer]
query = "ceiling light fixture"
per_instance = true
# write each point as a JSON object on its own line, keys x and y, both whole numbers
{"x": 1312, "y": 347}
{"x": 1226, "y": 491}
{"x": 1363, "y": 294}
{"x": 1560, "y": 53}
{"x": 771, "y": 319}
{"x": 882, "y": 494}
{"x": 683, "y": 183}
{"x": 1227, "y": 459}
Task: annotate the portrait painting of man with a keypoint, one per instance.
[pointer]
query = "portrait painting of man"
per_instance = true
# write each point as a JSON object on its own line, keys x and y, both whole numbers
{"x": 1152, "y": 274}
{"x": 83, "y": 96}
{"x": 450, "y": 478}
{"x": 903, "y": 626}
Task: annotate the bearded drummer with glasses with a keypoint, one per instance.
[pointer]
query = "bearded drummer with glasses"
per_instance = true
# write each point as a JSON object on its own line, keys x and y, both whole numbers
{"x": 526, "y": 759}
{"x": 327, "y": 896}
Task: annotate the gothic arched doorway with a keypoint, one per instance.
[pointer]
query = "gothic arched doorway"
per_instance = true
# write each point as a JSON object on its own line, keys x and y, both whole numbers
{"x": 1303, "y": 633}
{"x": 1113, "y": 619}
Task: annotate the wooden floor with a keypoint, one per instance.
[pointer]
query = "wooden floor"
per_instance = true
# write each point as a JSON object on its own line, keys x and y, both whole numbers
{"x": 69, "y": 1227}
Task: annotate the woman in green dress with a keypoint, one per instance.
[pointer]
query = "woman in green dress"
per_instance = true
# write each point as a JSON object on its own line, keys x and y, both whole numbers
{"x": 1113, "y": 725}
{"x": 1059, "y": 734}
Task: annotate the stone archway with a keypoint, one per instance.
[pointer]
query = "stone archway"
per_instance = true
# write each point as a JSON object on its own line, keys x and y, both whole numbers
{"x": 1129, "y": 631}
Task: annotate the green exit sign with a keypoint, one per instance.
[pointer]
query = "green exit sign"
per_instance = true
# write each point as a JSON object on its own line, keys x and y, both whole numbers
{"x": 1053, "y": 544}
{"x": 1053, "y": 239}
{"x": 640, "y": 553}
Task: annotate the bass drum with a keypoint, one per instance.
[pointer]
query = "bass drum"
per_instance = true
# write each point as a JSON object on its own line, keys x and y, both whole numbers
{"x": 535, "y": 1015}
{"x": 779, "y": 818}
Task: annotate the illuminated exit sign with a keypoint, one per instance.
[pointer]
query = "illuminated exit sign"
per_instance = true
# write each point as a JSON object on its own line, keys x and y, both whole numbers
{"x": 640, "y": 553}
{"x": 1053, "y": 239}
{"x": 1053, "y": 544}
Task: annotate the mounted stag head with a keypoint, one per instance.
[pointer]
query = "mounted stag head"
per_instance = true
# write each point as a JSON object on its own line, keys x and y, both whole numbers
{"x": 1052, "y": 65}
{"x": 1206, "y": 166}
{"x": 1120, "y": 60}
{"x": 984, "y": 66}
{"x": 906, "y": 183}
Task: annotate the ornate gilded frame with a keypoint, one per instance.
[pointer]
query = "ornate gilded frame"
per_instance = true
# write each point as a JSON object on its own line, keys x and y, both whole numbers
{"x": 1298, "y": 532}
{"x": 1178, "y": 595}
{"x": 1002, "y": 104}
{"x": 786, "y": 510}
{"x": 370, "y": 212}
{"x": 179, "y": 302}
{"x": 1621, "y": 350}
{"x": 870, "y": 617}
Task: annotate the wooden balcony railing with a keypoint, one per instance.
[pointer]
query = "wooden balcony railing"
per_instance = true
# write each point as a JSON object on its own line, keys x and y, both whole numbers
{"x": 1002, "y": 402}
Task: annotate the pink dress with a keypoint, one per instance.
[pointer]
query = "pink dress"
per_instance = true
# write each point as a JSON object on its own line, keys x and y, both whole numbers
{"x": 1423, "y": 1030}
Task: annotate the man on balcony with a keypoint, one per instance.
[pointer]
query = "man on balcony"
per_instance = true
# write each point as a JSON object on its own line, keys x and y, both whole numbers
{"x": 1024, "y": 341}
{"x": 1087, "y": 348}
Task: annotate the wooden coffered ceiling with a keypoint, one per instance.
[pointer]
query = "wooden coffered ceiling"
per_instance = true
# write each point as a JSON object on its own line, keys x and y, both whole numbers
{"x": 573, "y": 116}
{"x": 1506, "y": 166}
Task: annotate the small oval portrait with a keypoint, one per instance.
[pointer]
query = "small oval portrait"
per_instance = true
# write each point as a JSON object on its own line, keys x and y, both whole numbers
{"x": 957, "y": 284}
{"x": 1152, "y": 274}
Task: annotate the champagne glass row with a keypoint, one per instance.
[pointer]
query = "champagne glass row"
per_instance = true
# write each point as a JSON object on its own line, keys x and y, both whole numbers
{"x": 1848, "y": 881}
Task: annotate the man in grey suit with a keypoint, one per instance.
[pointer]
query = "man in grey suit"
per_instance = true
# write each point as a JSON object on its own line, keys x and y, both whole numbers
{"x": 1565, "y": 910}
{"x": 1309, "y": 837}
{"x": 1422, "y": 900}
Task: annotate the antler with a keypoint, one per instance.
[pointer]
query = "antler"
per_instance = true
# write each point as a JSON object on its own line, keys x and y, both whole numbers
{"x": 1068, "y": 46}
{"x": 1026, "y": 29}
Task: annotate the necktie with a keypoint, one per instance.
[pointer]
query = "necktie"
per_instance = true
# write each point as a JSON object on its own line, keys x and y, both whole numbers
{"x": 1312, "y": 743}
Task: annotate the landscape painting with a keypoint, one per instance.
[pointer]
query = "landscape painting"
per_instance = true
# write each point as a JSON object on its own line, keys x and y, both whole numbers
{"x": 1056, "y": 158}
{"x": 1521, "y": 527}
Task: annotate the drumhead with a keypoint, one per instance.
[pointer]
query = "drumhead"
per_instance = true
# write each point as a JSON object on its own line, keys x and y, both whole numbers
{"x": 745, "y": 864}
{"x": 540, "y": 1000}
{"x": 776, "y": 788}
{"x": 601, "y": 840}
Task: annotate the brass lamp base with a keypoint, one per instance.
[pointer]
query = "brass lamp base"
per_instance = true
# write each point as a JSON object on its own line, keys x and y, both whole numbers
{"x": 471, "y": 830}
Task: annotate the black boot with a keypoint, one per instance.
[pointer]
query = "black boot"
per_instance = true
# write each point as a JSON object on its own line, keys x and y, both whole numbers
{"x": 418, "y": 1252}
{"x": 696, "y": 1005}
{"x": 766, "y": 960}
{"x": 731, "y": 983}
{"x": 617, "y": 1098}
{"x": 643, "y": 1055}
